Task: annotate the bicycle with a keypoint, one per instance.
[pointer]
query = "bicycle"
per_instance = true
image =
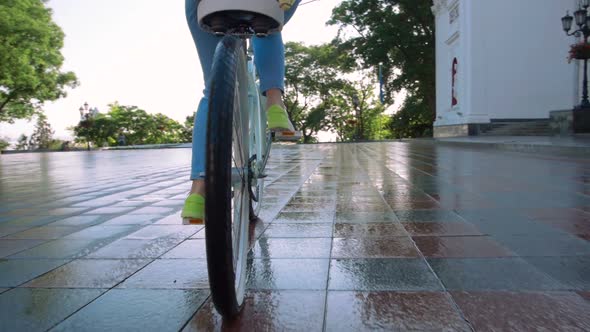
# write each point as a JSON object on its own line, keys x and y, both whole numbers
{"x": 238, "y": 143}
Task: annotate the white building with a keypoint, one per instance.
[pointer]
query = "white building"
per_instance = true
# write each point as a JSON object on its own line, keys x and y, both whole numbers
{"x": 501, "y": 60}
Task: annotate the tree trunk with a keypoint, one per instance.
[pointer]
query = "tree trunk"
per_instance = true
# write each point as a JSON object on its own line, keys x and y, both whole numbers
{"x": 5, "y": 103}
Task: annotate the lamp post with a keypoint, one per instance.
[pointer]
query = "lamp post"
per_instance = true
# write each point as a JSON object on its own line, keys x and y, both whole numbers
{"x": 356, "y": 103}
{"x": 86, "y": 114}
{"x": 582, "y": 20}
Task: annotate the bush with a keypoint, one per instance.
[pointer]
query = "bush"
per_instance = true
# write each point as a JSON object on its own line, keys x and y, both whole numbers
{"x": 4, "y": 144}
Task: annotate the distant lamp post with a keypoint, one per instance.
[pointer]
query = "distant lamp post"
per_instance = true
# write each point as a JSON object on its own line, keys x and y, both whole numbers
{"x": 356, "y": 103}
{"x": 580, "y": 51}
{"x": 86, "y": 114}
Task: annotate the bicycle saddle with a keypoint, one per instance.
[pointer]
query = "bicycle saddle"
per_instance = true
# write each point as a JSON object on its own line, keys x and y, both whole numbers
{"x": 248, "y": 17}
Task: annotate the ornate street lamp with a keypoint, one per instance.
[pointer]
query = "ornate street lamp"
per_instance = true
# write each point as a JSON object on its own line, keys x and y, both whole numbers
{"x": 582, "y": 20}
{"x": 86, "y": 113}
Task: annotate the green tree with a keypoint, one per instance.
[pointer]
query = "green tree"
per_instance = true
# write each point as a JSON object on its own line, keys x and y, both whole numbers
{"x": 313, "y": 76}
{"x": 409, "y": 121}
{"x": 22, "y": 143}
{"x": 187, "y": 130}
{"x": 400, "y": 35}
{"x": 42, "y": 137}
{"x": 30, "y": 59}
{"x": 138, "y": 127}
{"x": 4, "y": 144}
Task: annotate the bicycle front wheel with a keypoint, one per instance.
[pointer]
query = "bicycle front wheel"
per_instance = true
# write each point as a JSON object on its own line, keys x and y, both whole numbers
{"x": 227, "y": 178}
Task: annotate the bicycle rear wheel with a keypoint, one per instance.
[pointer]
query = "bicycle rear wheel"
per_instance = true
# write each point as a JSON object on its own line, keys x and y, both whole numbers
{"x": 226, "y": 178}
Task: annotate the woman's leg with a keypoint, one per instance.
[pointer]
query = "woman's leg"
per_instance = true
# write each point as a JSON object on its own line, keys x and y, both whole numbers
{"x": 206, "y": 44}
{"x": 272, "y": 78}
{"x": 270, "y": 60}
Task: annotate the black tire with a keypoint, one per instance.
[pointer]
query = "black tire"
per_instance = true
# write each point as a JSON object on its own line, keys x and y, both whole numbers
{"x": 223, "y": 275}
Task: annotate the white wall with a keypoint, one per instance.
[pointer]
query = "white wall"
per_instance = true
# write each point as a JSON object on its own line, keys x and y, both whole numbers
{"x": 519, "y": 65}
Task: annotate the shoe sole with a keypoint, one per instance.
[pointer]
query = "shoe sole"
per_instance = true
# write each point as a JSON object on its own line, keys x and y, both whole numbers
{"x": 192, "y": 221}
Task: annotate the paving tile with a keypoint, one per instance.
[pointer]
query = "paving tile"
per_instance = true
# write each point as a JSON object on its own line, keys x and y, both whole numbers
{"x": 110, "y": 210}
{"x": 428, "y": 216}
{"x": 64, "y": 211}
{"x": 328, "y": 201}
{"x": 389, "y": 229}
{"x": 101, "y": 232}
{"x": 288, "y": 274}
{"x": 172, "y": 219}
{"x": 512, "y": 311}
{"x": 572, "y": 271}
{"x": 292, "y": 248}
{"x": 47, "y": 232}
{"x": 392, "y": 311}
{"x": 170, "y": 273}
{"x": 561, "y": 245}
{"x": 15, "y": 272}
{"x": 373, "y": 247}
{"x": 576, "y": 227}
{"x": 568, "y": 214}
{"x": 4, "y": 231}
{"x": 29, "y": 221}
{"x": 89, "y": 273}
{"x": 24, "y": 309}
{"x": 9, "y": 247}
{"x": 308, "y": 207}
{"x": 152, "y": 232}
{"x": 267, "y": 311}
{"x": 63, "y": 249}
{"x": 128, "y": 249}
{"x": 403, "y": 205}
{"x": 304, "y": 217}
{"x": 362, "y": 207}
{"x": 153, "y": 210}
{"x": 81, "y": 221}
{"x": 365, "y": 217}
{"x": 460, "y": 246}
{"x": 188, "y": 249}
{"x": 276, "y": 230}
{"x": 492, "y": 274}
{"x": 131, "y": 219}
{"x": 382, "y": 274}
{"x": 441, "y": 229}
{"x": 137, "y": 310}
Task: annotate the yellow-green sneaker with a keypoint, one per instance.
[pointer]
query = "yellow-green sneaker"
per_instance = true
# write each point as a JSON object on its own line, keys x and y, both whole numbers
{"x": 193, "y": 212}
{"x": 278, "y": 119}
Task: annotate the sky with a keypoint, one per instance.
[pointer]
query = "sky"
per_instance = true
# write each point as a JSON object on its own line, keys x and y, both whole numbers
{"x": 140, "y": 52}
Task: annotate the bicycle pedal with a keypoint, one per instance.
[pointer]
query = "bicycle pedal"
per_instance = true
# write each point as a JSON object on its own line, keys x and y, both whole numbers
{"x": 192, "y": 221}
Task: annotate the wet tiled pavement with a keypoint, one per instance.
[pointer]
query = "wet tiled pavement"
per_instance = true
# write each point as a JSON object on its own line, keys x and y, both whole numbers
{"x": 352, "y": 237}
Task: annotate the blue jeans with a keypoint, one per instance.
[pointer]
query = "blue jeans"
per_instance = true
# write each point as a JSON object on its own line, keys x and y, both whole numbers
{"x": 269, "y": 59}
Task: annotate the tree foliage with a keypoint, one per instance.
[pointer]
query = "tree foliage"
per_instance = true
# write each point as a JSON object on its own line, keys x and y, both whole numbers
{"x": 321, "y": 84}
{"x": 138, "y": 127}
{"x": 312, "y": 76}
{"x": 400, "y": 35}
{"x": 42, "y": 137}
{"x": 30, "y": 59}
{"x": 22, "y": 143}
{"x": 4, "y": 144}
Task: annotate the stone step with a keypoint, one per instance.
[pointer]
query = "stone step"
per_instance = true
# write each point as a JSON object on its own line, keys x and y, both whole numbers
{"x": 521, "y": 128}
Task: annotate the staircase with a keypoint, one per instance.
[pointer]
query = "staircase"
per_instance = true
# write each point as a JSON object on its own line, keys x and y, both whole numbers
{"x": 517, "y": 128}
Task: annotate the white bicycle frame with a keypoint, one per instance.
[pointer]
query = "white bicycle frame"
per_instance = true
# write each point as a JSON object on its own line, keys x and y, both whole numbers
{"x": 260, "y": 139}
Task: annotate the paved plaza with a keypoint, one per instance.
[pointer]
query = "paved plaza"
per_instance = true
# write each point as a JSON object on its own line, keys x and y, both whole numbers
{"x": 395, "y": 236}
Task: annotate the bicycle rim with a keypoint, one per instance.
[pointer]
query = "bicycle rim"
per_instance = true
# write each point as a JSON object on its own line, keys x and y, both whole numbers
{"x": 226, "y": 178}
